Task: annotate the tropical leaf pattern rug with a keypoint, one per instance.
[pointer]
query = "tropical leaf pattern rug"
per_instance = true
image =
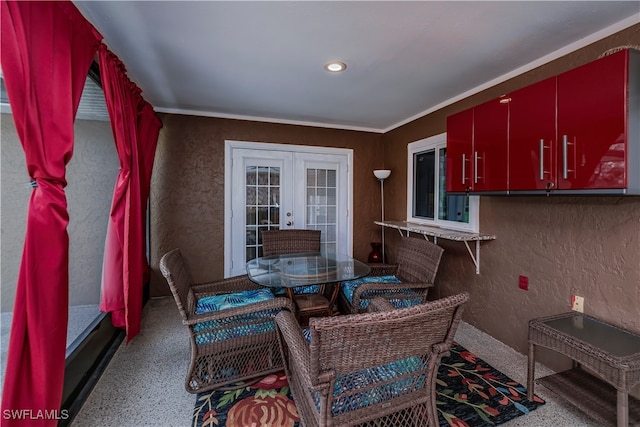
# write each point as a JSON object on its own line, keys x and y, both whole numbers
{"x": 470, "y": 393}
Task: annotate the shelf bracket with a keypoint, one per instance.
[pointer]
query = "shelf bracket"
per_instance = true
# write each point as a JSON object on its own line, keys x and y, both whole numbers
{"x": 476, "y": 258}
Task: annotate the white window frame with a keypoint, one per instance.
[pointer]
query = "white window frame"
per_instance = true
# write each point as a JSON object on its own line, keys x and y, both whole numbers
{"x": 432, "y": 143}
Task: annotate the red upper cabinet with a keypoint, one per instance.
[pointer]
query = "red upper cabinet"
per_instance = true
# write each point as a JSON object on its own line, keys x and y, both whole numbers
{"x": 576, "y": 133}
{"x": 490, "y": 146}
{"x": 459, "y": 151}
{"x": 592, "y": 124}
{"x": 532, "y": 137}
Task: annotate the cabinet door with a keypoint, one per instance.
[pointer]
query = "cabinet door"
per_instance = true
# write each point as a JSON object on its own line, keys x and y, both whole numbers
{"x": 532, "y": 137}
{"x": 490, "y": 152}
{"x": 591, "y": 125}
{"x": 459, "y": 151}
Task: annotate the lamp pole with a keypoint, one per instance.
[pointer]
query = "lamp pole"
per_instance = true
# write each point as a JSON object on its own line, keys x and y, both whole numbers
{"x": 382, "y": 174}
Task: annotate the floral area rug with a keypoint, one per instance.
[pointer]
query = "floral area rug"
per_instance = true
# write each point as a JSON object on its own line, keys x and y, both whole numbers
{"x": 470, "y": 393}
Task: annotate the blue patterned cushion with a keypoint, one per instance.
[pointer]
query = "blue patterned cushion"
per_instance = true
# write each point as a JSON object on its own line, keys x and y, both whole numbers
{"x": 349, "y": 287}
{"x": 306, "y": 333}
{"x": 353, "y": 382}
{"x": 243, "y": 325}
{"x": 361, "y": 379}
{"x": 235, "y": 326}
{"x": 367, "y": 377}
{"x": 298, "y": 290}
{"x": 237, "y": 299}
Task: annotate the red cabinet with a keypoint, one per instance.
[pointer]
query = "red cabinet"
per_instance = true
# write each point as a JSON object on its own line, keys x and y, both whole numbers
{"x": 477, "y": 149}
{"x": 490, "y": 146}
{"x": 592, "y": 124}
{"x": 459, "y": 151}
{"x": 532, "y": 137}
{"x": 576, "y": 133}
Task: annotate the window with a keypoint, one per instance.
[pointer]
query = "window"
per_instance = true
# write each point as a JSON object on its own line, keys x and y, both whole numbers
{"x": 428, "y": 201}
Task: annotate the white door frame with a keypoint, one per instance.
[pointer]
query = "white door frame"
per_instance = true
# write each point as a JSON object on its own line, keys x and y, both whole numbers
{"x": 230, "y": 145}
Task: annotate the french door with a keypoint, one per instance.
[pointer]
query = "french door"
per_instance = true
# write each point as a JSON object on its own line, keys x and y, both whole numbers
{"x": 273, "y": 186}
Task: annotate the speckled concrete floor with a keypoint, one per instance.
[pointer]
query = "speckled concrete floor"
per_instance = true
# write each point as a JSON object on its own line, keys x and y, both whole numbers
{"x": 144, "y": 383}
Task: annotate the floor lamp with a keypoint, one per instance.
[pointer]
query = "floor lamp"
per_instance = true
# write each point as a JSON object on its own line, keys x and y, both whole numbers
{"x": 382, "y": 174}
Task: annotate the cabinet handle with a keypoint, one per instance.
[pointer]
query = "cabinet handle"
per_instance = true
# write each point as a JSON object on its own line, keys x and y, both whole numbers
{"x": 565, "y": 157}
{"x": 475, "y": 167}
{"x": 541, "y": 159}
{"x": 464, "y": 164}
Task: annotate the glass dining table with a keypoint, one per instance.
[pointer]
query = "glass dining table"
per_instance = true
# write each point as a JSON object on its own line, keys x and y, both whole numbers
{"x": 291, "y": 271}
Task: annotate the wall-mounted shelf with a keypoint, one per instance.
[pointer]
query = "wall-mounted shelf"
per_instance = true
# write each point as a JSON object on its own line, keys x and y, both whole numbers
{"x": 442, "y": 233}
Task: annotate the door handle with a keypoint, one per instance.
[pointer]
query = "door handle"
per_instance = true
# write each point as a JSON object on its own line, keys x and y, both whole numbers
{"x": 289, "y": 223}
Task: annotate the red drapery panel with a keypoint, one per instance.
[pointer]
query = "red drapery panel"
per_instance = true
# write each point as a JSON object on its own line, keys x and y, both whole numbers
{"x": 135, "y": 130}
{"x": 47, "y": 48}
{"x": 148, "y": 129}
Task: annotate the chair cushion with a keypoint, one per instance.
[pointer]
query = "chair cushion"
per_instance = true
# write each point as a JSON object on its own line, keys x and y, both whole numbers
{"x": 349, "y": 287}
{"x": 234, "y": 326}
{"x": 236, "y": 299}
{"x": 298, "y": 290}
{"x": 348, "y": 389}
{"x": 260, "y": 322}
{"x": 306, "y": 333}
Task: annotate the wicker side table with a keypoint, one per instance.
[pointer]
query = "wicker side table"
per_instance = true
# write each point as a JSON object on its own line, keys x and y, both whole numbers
{"x": 606, "y": 365}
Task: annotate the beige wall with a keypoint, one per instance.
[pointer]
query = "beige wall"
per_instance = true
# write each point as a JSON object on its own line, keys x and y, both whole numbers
{"x": 91, "y": 174}
{"x": 584, "y": 245}
{"x": 187, "y": 189}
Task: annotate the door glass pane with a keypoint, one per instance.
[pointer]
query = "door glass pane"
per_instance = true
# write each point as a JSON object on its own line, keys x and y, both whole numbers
{"x": 321, "y": 206}
{"x": 262, "y": 195}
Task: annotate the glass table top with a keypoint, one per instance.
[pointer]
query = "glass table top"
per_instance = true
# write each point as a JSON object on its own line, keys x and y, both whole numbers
{"x": 614, "y": 341}
{"x": 306, "y": 269}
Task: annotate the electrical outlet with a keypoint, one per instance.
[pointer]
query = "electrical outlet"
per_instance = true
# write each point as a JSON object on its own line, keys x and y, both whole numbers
{"x": 523, "y": 283}
{"x": 577, "y": 303}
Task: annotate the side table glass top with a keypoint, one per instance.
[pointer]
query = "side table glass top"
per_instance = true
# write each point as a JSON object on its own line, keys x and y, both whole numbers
{"x": 293, "y": 270}
{"x": 614, "y": 341}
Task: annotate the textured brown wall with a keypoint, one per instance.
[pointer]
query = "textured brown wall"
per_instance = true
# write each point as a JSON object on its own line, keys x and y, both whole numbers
{"x": 187, "y": 189}
{"x": 584, "y": 245}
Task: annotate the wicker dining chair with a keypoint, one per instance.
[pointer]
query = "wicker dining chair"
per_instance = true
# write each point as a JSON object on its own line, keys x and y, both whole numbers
{"x": 404, "y": 283}
{"x": 231, "y": 326}
{"x": 290, "y": 241}
{"x": 314, "y": 300}
{"x": 374, "y": 368}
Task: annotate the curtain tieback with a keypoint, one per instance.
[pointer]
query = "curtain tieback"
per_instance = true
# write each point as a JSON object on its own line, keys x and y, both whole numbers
{"x": 31, "y": 184}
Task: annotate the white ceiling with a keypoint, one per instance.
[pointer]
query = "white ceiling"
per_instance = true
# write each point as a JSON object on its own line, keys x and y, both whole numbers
{"x": 264, "y": 60}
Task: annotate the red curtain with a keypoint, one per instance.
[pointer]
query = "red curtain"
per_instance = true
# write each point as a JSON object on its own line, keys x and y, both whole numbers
{"x": 135, "y": 130}
{"x": 148, "y": 129}
{"x": 47, "y": 48}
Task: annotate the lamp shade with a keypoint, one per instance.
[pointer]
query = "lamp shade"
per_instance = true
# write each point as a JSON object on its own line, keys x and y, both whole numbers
{"x": 382, "y": 173}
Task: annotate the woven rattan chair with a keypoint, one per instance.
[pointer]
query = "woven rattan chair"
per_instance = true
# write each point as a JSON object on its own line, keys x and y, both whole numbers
{"x": 378, "y": 367}
{"x": 403, "y": 284}
{"x": 315, "y": 300}
{"x": 231, "y": 326}
{"x": 290, "y": 241}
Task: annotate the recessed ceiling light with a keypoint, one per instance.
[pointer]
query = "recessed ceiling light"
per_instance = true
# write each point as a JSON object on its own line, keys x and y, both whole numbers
{"x": 335, "y": 66}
